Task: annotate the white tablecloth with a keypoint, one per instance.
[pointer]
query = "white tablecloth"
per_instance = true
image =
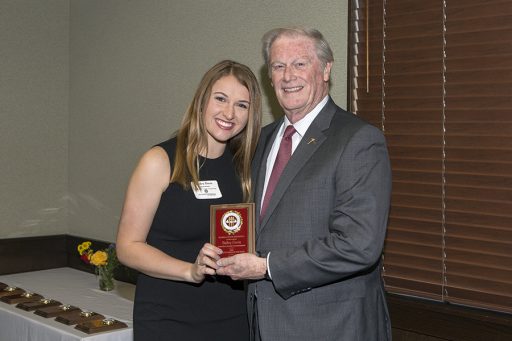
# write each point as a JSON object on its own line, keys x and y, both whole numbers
{"x": 68, "y": 286}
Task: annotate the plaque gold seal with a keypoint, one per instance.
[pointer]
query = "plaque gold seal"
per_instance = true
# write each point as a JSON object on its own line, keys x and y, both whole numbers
{"x": 231, "y": 222}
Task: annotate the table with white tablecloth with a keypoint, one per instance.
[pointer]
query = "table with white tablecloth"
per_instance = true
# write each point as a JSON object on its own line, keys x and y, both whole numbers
{"x": 69, "y": 286}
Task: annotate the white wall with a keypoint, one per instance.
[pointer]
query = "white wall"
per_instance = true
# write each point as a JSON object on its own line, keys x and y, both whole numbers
{"x": 133, "y": 68}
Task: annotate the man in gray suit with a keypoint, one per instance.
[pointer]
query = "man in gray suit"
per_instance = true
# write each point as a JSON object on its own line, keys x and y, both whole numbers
{"x": 321, "y": 229}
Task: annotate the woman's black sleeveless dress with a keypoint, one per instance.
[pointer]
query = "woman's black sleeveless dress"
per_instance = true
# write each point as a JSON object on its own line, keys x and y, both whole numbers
{"x": 172, "y": 310}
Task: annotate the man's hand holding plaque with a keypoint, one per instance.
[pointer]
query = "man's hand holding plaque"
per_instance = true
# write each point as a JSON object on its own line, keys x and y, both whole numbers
{"x": 232, "y": 228}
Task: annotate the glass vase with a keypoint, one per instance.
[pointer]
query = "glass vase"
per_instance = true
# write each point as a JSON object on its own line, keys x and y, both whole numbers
{"x": 106, "y": 278}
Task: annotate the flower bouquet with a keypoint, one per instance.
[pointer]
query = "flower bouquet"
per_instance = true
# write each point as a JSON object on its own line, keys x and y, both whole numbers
{"x": 104, "y": 261}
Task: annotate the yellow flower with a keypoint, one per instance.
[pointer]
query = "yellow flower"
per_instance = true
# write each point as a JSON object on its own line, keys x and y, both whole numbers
{"x": 83, "y": 247}
{"x": 99, "y": 258}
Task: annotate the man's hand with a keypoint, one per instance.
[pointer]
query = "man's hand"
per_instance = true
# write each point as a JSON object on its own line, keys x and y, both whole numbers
{"x": 242, "y": 266}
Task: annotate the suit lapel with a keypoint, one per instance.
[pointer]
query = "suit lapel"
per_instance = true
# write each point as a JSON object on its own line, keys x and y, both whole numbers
{"x": 310, "y": 142}
{"x": 261, "y": 165}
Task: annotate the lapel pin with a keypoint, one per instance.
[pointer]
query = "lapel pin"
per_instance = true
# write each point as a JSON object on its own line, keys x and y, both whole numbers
{"x": 312, "y": 140}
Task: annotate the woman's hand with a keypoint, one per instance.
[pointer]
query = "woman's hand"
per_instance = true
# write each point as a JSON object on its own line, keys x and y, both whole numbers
{"x": 206, "y": 262}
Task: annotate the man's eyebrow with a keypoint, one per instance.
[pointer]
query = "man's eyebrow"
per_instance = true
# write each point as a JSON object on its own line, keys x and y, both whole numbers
{"x": 293, "y": 61}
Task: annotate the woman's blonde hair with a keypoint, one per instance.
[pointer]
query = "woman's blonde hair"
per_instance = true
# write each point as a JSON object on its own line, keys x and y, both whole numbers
{"x": 192, "y": 136}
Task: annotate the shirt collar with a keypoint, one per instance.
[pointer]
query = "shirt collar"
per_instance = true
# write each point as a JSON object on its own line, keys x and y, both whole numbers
{"x": 303, "y": 124}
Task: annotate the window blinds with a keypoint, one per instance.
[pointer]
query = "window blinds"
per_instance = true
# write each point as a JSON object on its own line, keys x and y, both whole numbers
{"x": 436, "y": 77}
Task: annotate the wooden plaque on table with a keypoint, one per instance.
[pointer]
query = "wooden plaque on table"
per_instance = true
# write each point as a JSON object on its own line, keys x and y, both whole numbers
{"x": 10, "y": 291}
{"x": 41, "y": 303}
{"x": 55, "y": 310}
{"x": 21, "y": 298}
{"x": 78, "y": 316}
{"x": 232, "y": 228}
{"x": 98, "y": 326}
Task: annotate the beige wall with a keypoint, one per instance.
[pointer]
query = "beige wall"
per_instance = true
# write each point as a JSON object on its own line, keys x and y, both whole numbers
{"x": 133, "y": 67}
{"x": 34, "y": 85}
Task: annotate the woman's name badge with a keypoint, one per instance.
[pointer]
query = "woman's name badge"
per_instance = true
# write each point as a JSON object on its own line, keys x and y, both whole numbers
{"x": 208, "y": 189}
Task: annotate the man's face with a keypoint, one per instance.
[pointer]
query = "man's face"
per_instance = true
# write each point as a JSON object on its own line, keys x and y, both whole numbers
{"x": 297, "y": 76}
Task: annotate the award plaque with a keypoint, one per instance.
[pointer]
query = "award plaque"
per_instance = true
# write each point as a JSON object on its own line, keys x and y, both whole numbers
{"x": 41, "y": 303}
{"x": 55, "y": 310}
{"x": 21, "y": 298}
{"x": 97, "y": 326}
{"x": 10, "y": 291}
{"x": 232, "y": 228}
{"x": 78, "y": 316}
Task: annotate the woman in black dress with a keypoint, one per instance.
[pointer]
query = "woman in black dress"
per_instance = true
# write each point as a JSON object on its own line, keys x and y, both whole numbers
{"x": 164, "y": 227}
